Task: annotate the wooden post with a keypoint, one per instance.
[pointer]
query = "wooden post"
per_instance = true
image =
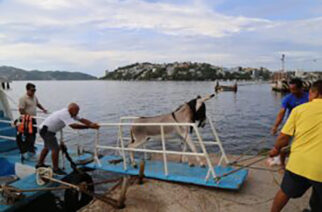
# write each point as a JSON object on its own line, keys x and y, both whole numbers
{"x": 121, "y": 201}
{"x": 141, "y": 172}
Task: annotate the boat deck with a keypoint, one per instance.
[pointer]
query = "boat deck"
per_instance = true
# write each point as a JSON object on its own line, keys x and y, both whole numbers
{"x": 255, "y": 195}
{"x": 178, "y": 172}
{"x": 30, "y": 181}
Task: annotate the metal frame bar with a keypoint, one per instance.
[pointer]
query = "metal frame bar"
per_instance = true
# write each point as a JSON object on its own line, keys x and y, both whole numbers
{"x": 13, "y": 138}
{"x": 165, "y": 163}
{"x": 122, "y": 149}
{"x": 215, "y": 134}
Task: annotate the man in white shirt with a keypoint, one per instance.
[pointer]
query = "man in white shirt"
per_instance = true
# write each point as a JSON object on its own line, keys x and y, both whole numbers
{"x": 53, "y": 124}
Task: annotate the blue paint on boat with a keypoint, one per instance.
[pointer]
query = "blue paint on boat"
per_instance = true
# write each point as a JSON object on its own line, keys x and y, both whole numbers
{"x": 178, "y": 172}
{"x": 10, "y": 155}
{"x": 30, "y": 181}
{"x": 7, "y": 130}
{"x": 7, "y": 168}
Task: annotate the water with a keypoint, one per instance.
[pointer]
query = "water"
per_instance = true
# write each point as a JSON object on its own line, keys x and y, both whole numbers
{"x": 242, "y": 119}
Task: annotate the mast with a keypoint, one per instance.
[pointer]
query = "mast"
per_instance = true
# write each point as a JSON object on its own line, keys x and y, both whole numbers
{"x": 283, "y": 62}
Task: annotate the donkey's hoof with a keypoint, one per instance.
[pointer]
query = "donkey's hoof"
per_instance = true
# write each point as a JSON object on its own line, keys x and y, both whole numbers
{"x": 135, "y": 166}
{"x": 202, "y": 165}
{"x": 191, "y": 164}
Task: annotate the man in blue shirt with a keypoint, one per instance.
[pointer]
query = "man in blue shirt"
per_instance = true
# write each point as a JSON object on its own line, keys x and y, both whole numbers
{"x": 290, "y": 101}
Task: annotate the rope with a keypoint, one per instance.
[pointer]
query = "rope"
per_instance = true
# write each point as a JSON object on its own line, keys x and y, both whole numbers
{"x": 265, "y": 156}
{"x": 236, "y": 170}
{"x": 13, "y": 189}
{"x": 70, "y": 160}
{"x": 260, "y": 168}
{"x": 61, "y": 187}
{"x": 249, "y": 150}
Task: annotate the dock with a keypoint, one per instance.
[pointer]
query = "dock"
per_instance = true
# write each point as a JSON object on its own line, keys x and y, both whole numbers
{"x": 255, "y": 195}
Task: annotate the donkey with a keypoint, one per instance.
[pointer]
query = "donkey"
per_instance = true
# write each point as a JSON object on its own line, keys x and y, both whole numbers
{"x": 190, "y": 112}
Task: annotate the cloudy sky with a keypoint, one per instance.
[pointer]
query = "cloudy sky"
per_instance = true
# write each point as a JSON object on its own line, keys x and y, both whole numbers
{"x": 94, "y": 35}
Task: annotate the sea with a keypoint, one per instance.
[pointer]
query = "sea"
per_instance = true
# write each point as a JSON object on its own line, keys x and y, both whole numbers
{"x": 242, "y": 120}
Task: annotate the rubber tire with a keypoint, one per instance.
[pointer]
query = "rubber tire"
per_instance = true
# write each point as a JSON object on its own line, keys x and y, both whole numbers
{"x": 74, "y": 200}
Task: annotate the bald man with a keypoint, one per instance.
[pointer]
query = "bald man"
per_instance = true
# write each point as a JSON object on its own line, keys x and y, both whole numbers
{"x": 55, "y": 123}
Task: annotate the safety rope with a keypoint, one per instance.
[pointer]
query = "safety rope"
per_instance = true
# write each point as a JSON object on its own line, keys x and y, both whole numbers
{"x": 265, "y": 155}
{"x": 61, "y": 187}
{"x": 263, "y": 140}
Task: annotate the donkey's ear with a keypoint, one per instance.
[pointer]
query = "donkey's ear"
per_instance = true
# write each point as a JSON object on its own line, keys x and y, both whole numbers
{"x": 198, "y": 97}
{"x": 207, "y": 97}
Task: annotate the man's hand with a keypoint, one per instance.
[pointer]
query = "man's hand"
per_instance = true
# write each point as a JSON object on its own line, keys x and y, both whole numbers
{"x": 274, "y": 152}
{"x": 45, "y": 111}
{"x": 94, "y": 126}
{"x": 274, "y": 130}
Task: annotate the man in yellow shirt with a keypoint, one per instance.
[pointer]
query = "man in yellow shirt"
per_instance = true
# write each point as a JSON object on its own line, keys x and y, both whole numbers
{"x": 304, "y": 168}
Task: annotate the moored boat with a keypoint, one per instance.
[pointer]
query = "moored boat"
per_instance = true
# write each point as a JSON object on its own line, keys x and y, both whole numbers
{"x": 232, "y": 88}
{"x": 18, "y": 181}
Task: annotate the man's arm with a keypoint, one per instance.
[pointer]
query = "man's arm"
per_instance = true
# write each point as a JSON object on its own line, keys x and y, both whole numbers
{"x": 282, "y": 141}
{"x": 287, "y": 132}
{"x": 79, "y": 126}
{"x": 278, "y": 120}
{"x": 21, "y": 106}
{"x": 40, "y": 106}
{"x": 82, "y": 126}
{"x": 22, "y": 111}
{"x": 85, "y": 121}
{"x": 86, "y": 124}
{"x": 89, "y": 123}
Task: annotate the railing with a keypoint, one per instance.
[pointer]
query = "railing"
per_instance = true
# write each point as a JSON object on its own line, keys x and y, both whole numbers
{"x": 37, "y": 118}
{"x": 62, "y": 139}
{"x": 122, "y": 149}
{"x": 215, "y": 142}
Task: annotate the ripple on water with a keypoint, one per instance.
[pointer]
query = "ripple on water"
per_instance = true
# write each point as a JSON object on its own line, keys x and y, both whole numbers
{"x": 241, "y": 119}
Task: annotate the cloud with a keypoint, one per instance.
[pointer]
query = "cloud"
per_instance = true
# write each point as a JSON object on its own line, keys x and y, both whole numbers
{"x": 91, "y": 36}
{"x": 193, "y": 19}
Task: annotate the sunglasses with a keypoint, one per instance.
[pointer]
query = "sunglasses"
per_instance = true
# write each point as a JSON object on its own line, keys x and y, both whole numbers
{"x": 33, "y": 90}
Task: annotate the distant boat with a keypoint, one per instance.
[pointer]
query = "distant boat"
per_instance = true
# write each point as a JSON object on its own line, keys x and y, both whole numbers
{"x": 280, "y": 86}
{"x": 280, "y": 82}
{"x": 232, "y": 88}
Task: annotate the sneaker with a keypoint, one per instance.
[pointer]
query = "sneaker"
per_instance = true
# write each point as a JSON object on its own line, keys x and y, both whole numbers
{"x": 59, "y": 172}
{"x": 41, "y": 165}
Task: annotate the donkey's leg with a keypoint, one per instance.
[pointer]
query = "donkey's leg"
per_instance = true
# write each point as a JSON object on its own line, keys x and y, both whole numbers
{"x": 194, "y": 149}
{"x": 184, "y": 133}
{"x": 134, "y": 145}
{"x": 184, "y": 158}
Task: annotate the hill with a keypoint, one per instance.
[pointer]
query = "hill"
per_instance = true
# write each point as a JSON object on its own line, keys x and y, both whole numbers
{"x": 12, "y": 73}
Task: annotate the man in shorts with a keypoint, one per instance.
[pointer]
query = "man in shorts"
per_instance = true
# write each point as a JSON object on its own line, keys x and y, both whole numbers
{"x": 53, "y": 124}
{"x": 304, "y": 168}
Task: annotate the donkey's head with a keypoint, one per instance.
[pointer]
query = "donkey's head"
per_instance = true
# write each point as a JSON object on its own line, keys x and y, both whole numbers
{"x": 198, "y": 109}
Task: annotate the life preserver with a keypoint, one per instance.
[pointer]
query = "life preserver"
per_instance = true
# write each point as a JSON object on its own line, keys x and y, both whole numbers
{"x": 25, "y": 134}
{"x": 25, "y": 125}
{"x": 74, "y": 200}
